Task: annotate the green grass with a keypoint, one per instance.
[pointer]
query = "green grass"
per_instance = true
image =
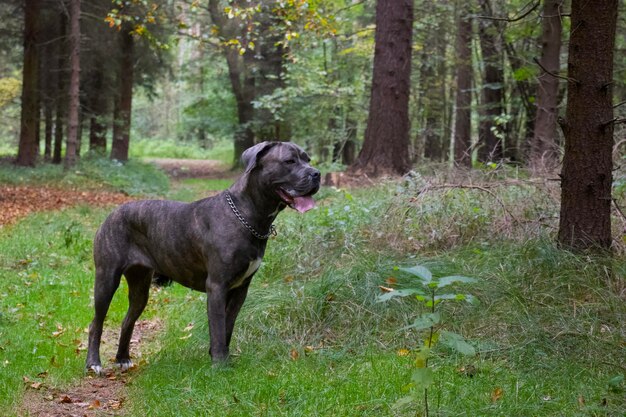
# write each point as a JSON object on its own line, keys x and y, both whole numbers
{"x": 133, "y": 177}
{"x": 312, "y": 340}
{"x": 190, "y": 189}
{"x": 148, "y": 148}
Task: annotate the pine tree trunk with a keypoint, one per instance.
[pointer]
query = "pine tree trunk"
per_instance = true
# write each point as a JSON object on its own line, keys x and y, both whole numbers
{"x": 97, "y": 127}
{"x": 71, "y": 153}
{"x": 122, "y": 115}
{"x": 386, "y": 146}
{"x": 61, "y": 94}
{"x": 490, "y": 145}
{"x": 462, "y": 126}
{"x": 28, "y": 144}
{"x": 543, "y": 149}
{"x": 586, "y": 178}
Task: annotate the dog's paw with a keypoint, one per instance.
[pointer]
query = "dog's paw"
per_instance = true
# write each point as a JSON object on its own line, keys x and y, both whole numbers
{"x": 94, "y": 369}
{"x": 125, "y": 365}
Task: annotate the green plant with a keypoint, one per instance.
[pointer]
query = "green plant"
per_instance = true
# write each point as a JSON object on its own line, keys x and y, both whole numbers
{"x": 427, "y": 293}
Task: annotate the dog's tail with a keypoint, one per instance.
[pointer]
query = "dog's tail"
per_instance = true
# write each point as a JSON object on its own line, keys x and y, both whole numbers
{"x": 161, "y": 280}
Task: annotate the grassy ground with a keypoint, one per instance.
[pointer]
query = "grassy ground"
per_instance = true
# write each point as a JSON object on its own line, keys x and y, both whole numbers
{"x": 312, "y": 340}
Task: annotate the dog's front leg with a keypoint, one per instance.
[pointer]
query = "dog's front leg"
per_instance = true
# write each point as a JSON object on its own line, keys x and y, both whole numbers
{"x": 216, "y": 311}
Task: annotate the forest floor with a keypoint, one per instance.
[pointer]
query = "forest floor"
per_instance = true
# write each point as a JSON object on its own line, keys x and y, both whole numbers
{"x": 17, "y": 201}
{"x": 92, "y": 396}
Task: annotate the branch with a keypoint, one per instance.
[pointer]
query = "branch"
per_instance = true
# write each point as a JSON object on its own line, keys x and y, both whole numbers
{"x": 512, "y": 19}
{"x": 619, "y": 104}
{"x": 614, "y": 121}
{"x": 472, "y": 187}
{"x": 553, "y": 74}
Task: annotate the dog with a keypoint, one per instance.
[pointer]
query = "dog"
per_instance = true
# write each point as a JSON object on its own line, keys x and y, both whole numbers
{"x": 214, "y": 245}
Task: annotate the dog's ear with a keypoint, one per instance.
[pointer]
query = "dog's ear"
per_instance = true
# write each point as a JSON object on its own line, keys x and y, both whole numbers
{"x": 251, "y": 156}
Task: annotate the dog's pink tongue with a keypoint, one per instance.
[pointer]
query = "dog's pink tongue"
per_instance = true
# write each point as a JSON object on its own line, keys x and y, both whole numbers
{"x": 303, "y": 204}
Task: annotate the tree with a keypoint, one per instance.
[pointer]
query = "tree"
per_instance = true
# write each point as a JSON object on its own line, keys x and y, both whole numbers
{"x": 124, "y": 97}
{"x": 543, "y": 147}
{"x": 386, "y": 143}
{"x": 490, "y": 133}
{"x": 462, "y": 125}
{"x": 586, "y": 177}
{"x": 28, "y": 145}
{"x": 74, "y": 102}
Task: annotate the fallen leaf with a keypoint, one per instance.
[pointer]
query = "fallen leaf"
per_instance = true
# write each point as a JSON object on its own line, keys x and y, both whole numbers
{"x": 115, "y": 405}
{"x": 294, "y": 354}
{"x": 581, "y": 400}
{"x": 65, "y": 400}
{"x": 497, "y": 394}
{"x": 94, "y": 404}
{"x": 385, "y": 289}
{"x": 391, "y": 281}
{"x": 288, "y": 279}
{"x": 35, "y": 385}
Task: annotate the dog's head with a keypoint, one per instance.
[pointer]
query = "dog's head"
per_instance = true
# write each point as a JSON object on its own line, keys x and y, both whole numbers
{"x": 283, "y": 169}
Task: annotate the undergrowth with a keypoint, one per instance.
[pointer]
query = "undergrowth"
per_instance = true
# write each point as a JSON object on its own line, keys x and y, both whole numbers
{"x": 311, "y": 339}
{"x": 133, "y": 177}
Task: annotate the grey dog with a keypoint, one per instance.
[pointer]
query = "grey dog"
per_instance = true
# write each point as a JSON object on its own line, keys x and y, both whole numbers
{"x": 214, "y": 245}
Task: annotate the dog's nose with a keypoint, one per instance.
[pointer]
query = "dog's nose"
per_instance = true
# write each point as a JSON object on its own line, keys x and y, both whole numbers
{"x": 315, "y": 175}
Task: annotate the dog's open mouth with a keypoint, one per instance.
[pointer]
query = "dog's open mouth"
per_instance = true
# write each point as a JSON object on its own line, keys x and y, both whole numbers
{"x": 301, "y": 203}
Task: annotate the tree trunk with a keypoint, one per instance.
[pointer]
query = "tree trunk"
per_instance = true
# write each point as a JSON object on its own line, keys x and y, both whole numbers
{"x": 28, "y": 146}
{"x": 489, "y": 133}
{"x": 386, "y": 145}
{"x": 519, "y": 149}
{"x": 241, "y": 79}
{"x": 97, "y": 127}
{"x": 543, "y": 150}
{"x": 124, "y": 101}
{"x": 71, "y": 153}
{"x": 462, "y": 126}
{"x": 61, "y": 94}
{"x": 586, "y": 178}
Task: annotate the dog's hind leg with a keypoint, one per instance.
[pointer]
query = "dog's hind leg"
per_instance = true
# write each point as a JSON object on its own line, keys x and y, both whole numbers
{"x": 107, "y": 282}
{"x": 139, "y": 279}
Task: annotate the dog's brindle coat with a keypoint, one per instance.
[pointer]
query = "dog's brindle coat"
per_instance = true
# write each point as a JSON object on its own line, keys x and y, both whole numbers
{"x": 202, "y": 245}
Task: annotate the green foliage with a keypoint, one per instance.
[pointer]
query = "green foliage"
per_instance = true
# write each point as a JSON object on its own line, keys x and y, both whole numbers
{"x": 151, "y": 148}
{"x": 10, "y": 89}
{"x": 427, "y": 295}
{"x": 133, "y": 177}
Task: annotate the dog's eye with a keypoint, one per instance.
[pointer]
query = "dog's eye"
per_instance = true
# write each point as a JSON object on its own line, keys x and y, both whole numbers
{"x": 290, "y": 161}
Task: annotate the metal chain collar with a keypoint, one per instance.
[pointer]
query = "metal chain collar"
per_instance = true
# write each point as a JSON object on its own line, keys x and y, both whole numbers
{"x": 272, "y": 231}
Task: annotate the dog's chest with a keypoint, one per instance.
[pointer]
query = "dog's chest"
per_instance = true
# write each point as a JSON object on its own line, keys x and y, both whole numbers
{"x": 252, "y": 267}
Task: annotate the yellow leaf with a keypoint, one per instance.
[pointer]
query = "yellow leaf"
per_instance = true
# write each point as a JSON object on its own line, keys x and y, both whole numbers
{"x": 294, "y": 354}
{"x": 497, "y": 394}
{"x": 403, "y": 352}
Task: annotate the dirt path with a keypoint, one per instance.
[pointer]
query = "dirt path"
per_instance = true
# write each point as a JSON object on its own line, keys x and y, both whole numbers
{"x": 192, "y": 168}
{"x": 90, "y": 396}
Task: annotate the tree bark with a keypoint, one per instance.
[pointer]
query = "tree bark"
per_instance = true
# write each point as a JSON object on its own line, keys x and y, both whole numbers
{"x": 61, "y": 94}
{"x": 98, "y": 108}
{"x": 28, "y": 144}
{"x": 71, "y": 154}
{"x": 490, "y": 146}
{"x": 386, "y": 146}
{"x": 544, "y": 150}
{"x": 462, "y": 126}
{"x": 124, "y": 101}
{"x": 586, "y": 178}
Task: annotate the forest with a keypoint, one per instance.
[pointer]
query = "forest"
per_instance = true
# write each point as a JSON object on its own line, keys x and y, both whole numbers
{"x": 466, "y": 255}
